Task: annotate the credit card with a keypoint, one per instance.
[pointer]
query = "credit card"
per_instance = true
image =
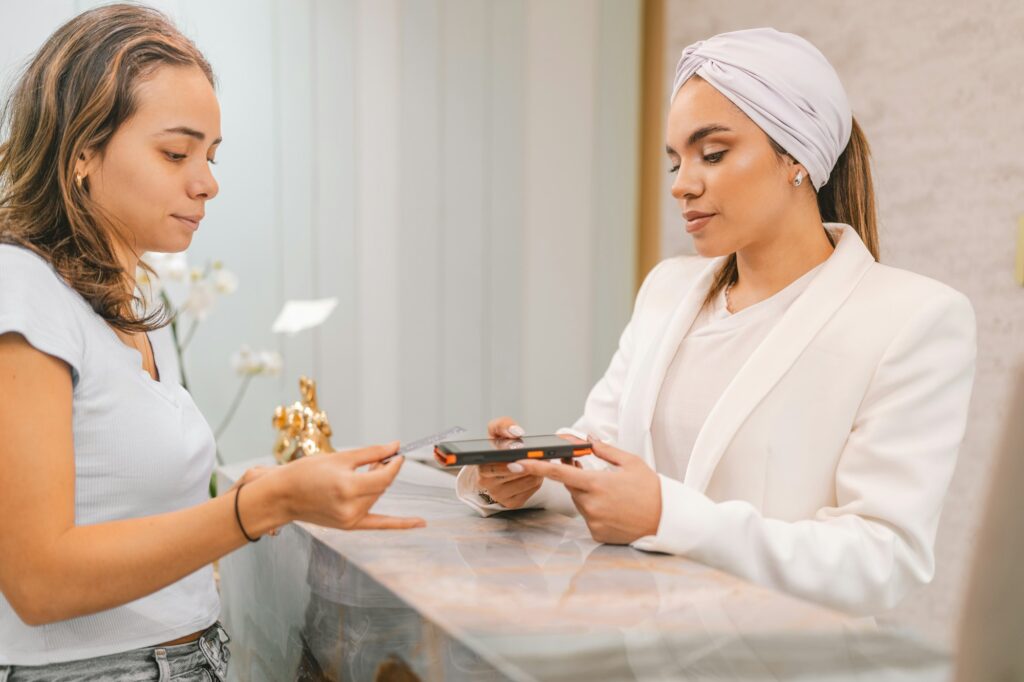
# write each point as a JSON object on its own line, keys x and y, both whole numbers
{"x": 427, "y": 444}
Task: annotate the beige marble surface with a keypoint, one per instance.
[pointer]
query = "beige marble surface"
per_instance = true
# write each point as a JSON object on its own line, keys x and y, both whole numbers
{"x": 526, "y": 596}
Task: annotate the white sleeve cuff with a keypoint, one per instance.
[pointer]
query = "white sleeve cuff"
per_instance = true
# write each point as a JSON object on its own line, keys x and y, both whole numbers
{"x": 686, "y": 520}
{"x": 467, "y": 489}
{"x": 551, "y": 495}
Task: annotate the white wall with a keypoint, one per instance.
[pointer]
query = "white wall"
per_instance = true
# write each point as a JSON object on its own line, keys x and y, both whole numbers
{"x": 460, "y": 174}
{"x": 937, "y": 87}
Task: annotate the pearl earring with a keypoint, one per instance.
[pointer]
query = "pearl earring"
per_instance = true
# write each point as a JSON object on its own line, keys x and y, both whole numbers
{"x": 799, "y": 179}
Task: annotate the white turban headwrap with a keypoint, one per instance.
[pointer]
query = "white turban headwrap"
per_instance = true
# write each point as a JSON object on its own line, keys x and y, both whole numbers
{"x": 784, "y": 84}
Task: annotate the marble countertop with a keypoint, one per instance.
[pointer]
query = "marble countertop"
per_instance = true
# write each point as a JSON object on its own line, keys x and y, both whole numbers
{"x": 528, "y": 595}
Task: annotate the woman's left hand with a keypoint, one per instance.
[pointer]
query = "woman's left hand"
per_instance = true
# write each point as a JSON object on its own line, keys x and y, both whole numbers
{"x": 620, "y": 504}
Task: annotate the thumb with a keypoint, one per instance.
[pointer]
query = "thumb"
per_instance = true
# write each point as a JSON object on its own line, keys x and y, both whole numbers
{"x": 374, "y": 453}
{"x": 382, "y": 522}
{"x": 610, "y": 453}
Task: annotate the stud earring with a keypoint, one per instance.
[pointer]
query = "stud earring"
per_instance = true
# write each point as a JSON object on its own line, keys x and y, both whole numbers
{"x": 78, "y": 180}
{"x": 799, "y": 179}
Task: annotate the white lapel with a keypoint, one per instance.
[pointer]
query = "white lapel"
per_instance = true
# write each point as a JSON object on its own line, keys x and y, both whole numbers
{"x": 777, "y": 353}
{"x": 640, "y": 396}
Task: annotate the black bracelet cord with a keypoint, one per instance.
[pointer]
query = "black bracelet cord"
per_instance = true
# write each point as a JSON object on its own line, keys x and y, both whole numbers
{"x": 238, "y": 517}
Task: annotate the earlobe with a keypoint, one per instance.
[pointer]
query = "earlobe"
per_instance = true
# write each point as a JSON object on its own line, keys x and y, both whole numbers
{"x": 83, "y": 167}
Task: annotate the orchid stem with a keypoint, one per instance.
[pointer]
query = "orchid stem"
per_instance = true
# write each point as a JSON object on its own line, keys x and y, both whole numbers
{"x": 235, "y": 402}
{"x": 178, "y": 348}
{"x": 189, "y": 335}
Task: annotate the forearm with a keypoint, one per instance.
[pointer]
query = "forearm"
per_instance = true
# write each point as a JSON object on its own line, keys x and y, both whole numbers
{"x": 852, "y": 563}
{"x": 87, "y": 569}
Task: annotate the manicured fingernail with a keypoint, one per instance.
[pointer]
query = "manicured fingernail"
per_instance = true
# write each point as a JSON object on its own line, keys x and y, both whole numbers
{"x": 516, "y": 431}
{"x": 515, "y": 468}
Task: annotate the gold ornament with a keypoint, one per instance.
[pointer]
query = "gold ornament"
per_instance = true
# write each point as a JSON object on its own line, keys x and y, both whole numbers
{"x": 303, "y": 428}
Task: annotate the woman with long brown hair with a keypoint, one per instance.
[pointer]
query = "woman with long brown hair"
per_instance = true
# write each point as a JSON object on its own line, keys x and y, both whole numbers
{"x": 783, "y": 407}
{"x": 106, "y": 530}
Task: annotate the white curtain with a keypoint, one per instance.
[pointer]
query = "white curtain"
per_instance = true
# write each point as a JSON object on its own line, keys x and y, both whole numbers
{"x": 461, "y": 175}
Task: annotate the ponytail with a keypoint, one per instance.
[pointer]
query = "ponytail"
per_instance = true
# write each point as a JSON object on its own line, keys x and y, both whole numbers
{"x": 848, "y": 197}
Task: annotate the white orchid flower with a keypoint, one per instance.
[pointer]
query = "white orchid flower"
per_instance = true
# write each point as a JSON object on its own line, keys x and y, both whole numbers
{"x": 224, "y": 281}
{"x": 247, "y": 362}
{"x": 201, "y": 298}
{"x": 169, "y": 267}
{"x": 242, "y": 361}
{"x": 271, "y": 362}
{"x": 149, "y": 287}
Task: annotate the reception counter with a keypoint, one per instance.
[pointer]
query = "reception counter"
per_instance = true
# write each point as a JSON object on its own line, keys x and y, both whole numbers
{"x": 525, "y": 595}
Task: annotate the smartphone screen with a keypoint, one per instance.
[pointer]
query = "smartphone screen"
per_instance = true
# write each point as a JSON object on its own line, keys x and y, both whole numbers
{"x": 496, "y": 444}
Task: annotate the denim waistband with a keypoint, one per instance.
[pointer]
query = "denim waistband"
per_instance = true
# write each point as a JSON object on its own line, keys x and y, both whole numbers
{"x": 158, "y": 664}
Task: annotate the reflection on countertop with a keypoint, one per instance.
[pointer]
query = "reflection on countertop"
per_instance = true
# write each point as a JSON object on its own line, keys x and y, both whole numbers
{"x": 524, "y": 596}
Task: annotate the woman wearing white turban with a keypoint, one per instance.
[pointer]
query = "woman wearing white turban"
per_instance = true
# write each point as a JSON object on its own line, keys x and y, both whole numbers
{"x": 783, "y": 407}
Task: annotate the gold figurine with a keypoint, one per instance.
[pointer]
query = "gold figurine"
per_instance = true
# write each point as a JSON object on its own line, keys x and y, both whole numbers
{"x": 303, "y": 428}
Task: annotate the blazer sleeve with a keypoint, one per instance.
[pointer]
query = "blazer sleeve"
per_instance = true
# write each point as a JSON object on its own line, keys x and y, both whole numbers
{"x": 867, "y": 552}
{"x": 600, "y": 419}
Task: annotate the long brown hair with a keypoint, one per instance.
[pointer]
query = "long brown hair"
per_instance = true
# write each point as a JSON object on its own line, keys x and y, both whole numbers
{"x": 848, "y": 197}
{"x": 71, "y": 97}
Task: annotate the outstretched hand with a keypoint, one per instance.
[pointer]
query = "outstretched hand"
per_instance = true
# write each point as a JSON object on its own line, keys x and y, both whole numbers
{"x": 328, "y": 489}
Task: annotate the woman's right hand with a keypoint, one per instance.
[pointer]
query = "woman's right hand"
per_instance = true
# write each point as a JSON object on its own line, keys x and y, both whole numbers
{"x": 509, "y": 489}
{"x": 326, "y": 489}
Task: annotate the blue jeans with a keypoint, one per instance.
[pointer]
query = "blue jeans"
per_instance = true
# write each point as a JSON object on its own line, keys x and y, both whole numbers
{"x": 204, "y": 660}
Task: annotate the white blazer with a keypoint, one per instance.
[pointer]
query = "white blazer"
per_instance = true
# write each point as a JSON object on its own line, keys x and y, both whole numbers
{"x": 822, "y": 468}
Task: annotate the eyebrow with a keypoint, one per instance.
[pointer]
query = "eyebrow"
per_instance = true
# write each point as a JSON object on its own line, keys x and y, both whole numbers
{"x": 191, "y": 132}
{"x": 700, "y": 134}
